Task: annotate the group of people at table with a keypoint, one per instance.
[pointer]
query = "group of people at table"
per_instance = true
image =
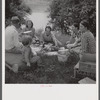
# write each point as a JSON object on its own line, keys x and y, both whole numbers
{"x": 19, "y": 40}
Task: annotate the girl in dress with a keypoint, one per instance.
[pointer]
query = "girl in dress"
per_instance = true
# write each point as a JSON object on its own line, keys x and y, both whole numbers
{"x": 30, "y": 30}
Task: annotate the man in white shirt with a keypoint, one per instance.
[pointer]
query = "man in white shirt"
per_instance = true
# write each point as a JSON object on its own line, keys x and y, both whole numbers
{"x": 12, "y": 43}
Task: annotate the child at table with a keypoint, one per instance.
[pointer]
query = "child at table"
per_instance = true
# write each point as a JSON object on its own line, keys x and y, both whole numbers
{"x": 28, "y": 57}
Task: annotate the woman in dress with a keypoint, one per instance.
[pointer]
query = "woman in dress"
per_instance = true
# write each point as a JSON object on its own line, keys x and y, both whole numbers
{"x": 87, "y": 39}
{"x": 88, "y": 44}
{"x": 29, "y": 30}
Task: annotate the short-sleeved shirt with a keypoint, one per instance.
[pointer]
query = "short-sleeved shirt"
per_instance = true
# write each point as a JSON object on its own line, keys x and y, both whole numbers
{"x": 48, "y": 38}
{"x": 88, "y": 43}
{"x": 11, "y": 38}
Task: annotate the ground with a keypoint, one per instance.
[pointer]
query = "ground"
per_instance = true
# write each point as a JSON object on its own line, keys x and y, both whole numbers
{"x": 49, "y": 71}
{"x": 52, "y": 73}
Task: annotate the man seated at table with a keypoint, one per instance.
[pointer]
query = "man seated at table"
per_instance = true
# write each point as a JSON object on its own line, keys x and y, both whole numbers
{"x": 12, "y": 43}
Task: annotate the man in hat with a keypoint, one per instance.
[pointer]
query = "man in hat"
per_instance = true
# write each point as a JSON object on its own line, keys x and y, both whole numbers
{"x": 12, "y": 43}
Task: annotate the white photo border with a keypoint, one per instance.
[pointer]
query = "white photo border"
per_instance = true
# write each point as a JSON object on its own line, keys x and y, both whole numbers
{"x": 56, "y": 91}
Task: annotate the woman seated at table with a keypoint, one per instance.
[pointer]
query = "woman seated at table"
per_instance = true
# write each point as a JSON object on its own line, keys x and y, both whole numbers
{"x": 29, "y": 27}
{"x": 12, "y": 43}
{"x": 49, "y": 38}
{"x": 29, "y": 30}
{"x": 88, "y": 44}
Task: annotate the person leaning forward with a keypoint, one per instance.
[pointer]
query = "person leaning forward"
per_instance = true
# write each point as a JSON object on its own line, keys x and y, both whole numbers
{"x": 12, "y": 43}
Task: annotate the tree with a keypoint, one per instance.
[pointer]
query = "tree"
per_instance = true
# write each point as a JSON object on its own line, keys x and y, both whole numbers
{"x": 16, "y": 8}
{"x": 73, "y": 11}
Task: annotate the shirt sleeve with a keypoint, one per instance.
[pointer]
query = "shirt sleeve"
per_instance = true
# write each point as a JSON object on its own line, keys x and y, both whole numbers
{"x": 16, "y": 40}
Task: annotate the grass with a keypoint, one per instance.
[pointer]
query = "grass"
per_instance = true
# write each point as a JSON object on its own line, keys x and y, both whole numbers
{"x": 49, "y": 71}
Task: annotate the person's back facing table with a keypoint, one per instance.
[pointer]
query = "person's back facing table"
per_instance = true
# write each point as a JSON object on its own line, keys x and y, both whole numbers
{"x": 12, "y": 43}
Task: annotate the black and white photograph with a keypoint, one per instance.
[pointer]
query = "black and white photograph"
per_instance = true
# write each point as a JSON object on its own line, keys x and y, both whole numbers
{"x": 50, "y": 42}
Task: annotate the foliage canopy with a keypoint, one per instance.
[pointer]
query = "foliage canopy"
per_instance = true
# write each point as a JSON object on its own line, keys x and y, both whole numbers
{"x": 16, "y": 8}
{"x": 71, "y": 11}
